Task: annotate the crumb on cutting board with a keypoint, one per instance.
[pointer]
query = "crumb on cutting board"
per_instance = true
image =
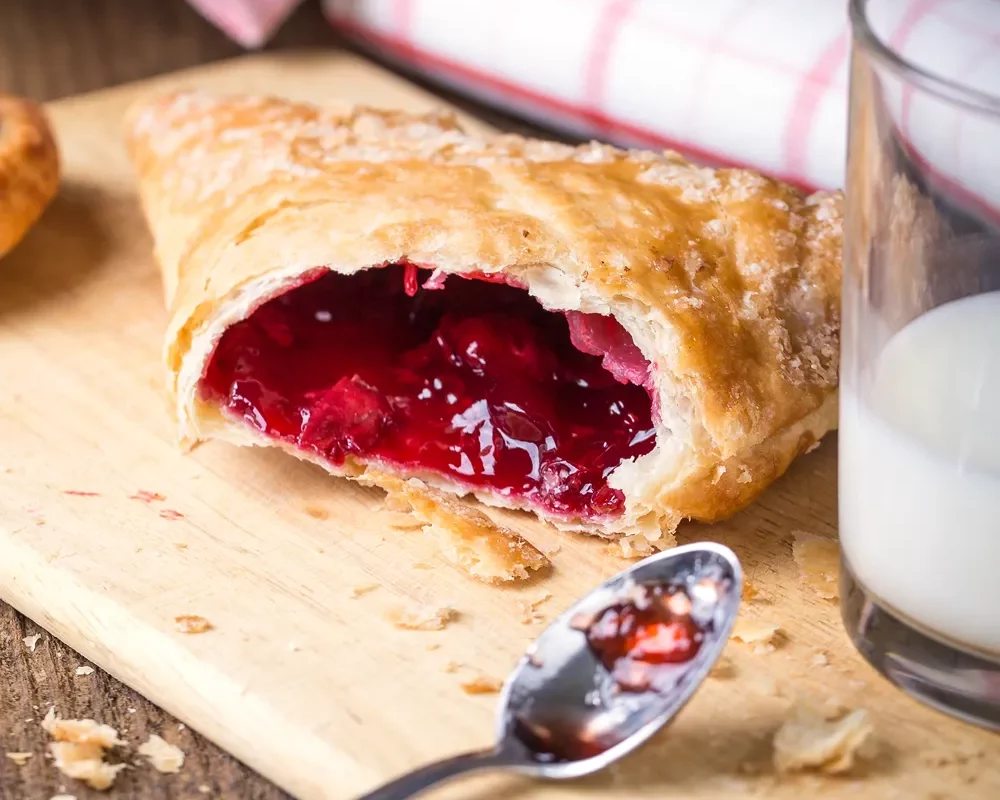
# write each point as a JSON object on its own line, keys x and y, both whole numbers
{"x": 171, "y": 514}
{"x": 192, "y": 623}
{"x": 362, "y": 589}
{"x": 19, "y": 758}
{"x": 31, "y": 641}
{"x": 79, "y": 748}
{"x": 163, "y": 756}
{"x": 530, "y": 614}
{"x": 481, "y": 684}
{"x": 423, "y": 618}
{"x": 818, "y": 560}
{"x": 85, "y": 670}
{"x": 808, "y": 740}
{"x": 760, "y": 634}
{"x": 635, "y": 547}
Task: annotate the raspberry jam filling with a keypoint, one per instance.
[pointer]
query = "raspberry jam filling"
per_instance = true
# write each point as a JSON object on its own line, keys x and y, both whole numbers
{"x": 470, "y": 379}
{"x": 651, "y": 629}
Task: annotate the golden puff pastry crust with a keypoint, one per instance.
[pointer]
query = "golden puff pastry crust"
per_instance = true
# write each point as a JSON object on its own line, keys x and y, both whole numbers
{"x": 727, "y": 281}
{"x": 29, "y": 168}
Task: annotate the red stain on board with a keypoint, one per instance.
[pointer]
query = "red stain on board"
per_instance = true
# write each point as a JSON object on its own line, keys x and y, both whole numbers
{"x": 79, "y": 493}
{"x": 169, "y": 513}
{"x": 145, "y": 496}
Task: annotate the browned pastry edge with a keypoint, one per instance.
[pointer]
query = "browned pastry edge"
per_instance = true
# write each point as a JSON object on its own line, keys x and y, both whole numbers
{"x": 29, "y": 168}
{"x": 465, "y": 536}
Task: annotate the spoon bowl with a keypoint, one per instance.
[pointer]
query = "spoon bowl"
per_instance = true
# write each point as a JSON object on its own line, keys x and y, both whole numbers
{"x": 563, "y": 713}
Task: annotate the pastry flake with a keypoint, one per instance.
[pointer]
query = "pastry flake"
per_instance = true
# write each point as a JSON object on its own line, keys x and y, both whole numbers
{"x": 163, "y": 756}
{"x": 809, "y": 741}
{"x": 613, "y": 340}
{"x": 79, "y": 747}
{"x": 818, "y": 561}
{"x": 464, "y": 535}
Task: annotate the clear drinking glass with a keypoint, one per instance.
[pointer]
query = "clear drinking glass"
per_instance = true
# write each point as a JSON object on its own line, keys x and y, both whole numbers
{"x": 920, "y": 375}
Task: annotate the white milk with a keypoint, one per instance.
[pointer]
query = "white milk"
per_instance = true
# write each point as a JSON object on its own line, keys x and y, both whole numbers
{"x": 920, "y": 473}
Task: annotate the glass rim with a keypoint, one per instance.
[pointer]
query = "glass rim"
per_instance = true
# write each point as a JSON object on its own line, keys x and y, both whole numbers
{"x": 944, "y": 88}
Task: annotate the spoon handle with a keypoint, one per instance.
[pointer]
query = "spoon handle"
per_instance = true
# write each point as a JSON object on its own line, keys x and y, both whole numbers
{"x": 413, "y": 783}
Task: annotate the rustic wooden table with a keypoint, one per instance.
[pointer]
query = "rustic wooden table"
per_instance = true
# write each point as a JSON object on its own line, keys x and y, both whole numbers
{"x": 51, "y": 49}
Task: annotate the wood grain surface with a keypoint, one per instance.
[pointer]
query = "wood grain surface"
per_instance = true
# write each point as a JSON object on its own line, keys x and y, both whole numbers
{"x": 51, "y": 49}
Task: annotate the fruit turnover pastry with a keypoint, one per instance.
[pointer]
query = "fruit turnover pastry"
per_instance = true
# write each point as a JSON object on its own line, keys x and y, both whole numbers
{"x": 613, "y": 340}
{"x": 29, "y": 168}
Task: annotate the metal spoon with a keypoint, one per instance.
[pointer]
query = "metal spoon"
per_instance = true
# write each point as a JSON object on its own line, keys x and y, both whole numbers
{"x": 562, "y": 714}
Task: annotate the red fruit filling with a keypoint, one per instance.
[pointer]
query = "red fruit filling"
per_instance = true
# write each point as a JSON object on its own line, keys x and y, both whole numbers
{"x": 651, "y": 630}
{"x": 473, "y": 380}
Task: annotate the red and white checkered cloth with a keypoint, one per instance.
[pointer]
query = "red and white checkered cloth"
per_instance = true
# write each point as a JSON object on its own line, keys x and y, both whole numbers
{"x": 760, "y": 83}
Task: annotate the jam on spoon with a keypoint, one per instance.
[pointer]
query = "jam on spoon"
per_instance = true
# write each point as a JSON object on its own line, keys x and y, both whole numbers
{"x": 644, "y": 633}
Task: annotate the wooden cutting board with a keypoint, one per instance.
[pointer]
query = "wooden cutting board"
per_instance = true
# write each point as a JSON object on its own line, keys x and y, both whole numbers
{"x": 314, "y": 688}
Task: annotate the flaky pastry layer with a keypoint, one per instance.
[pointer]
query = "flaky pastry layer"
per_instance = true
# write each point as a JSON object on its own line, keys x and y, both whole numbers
{"x": 727, "y": 281}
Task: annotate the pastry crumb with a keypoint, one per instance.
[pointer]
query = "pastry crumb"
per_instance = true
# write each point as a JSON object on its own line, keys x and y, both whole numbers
{"x": 553, "y": 550}
{"x": 84, "y": 670}
{"x": 63, "y": 797}
{"x": 79, "y": 747}
{"x": 724, "y": 669}
{"x": 809, "y": 741}
{"x": 529, "y": 609}
{"x": 363, "y": 589}
{"x": 481, "y": 684}
{"x": 818, "y": 561}
{"x": 750, "y": 591}
{"x": 633, "y": 547}
{"x": 819, "y": 659}
{"x": 204, "y": 788}
{"x": 19, "y": 758}
{"x": 31, "y": 641}
{"x": 316, "y": 512}
{"x": 425, "y": 618}
{"x": 422, "y": 565}
{"x": 180, "y": 546}
{"x": 465, "y": 536}
{"x": 192, "y": 623}
{"x": 761, "y": 635}
{"x": 452, "y": 667}
{"x": 163, "y": 756}
{"x": 432, "y": 646}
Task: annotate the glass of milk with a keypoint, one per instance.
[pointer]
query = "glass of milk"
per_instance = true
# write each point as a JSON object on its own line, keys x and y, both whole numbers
{"x": 920, "y": 374}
